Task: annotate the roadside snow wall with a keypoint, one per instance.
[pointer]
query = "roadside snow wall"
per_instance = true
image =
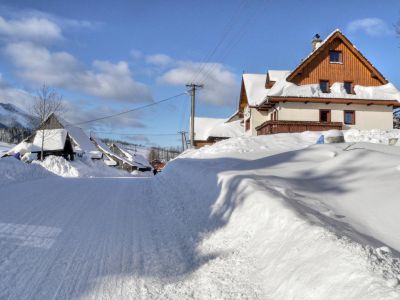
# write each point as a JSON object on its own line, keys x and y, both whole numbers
{"x": 292, "y": 219}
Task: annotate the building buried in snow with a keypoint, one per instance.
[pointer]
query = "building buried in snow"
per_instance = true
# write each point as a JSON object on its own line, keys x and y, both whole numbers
{"x": 334, "y": 87}
{"x": 207, "y": 131}
{"x": 60, "y": 138}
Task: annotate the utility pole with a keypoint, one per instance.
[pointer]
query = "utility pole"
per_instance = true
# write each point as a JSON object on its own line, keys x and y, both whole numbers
{"x": 183, "y": 138}
{"x": 193, "y": 88}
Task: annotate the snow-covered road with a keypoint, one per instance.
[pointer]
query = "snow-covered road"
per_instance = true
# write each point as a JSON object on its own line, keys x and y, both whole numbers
{"x": 102, "y": 238}
{"x": 269, "y": 217}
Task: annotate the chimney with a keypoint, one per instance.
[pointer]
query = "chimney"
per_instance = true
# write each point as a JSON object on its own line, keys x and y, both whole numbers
{"x": 316, "y": 42}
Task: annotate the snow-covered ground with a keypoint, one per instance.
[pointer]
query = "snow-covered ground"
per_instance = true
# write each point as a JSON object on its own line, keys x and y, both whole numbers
{"x": 270, "y": 217}
{"x": 5, "y": 147}
{"x": 80, "y": 167}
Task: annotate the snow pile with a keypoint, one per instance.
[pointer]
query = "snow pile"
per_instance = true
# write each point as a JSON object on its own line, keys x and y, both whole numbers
{"x": 15, "y": 171}
{"x": 303, "y": 221}
{"x": 59, "y": 166}
{"x": 79, "y": 168}
{"x": 261, "y": 144}
{"x": 376, "y": 136}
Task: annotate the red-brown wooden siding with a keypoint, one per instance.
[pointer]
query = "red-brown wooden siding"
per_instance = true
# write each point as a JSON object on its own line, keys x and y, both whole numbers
{"x": 351, "y": 69}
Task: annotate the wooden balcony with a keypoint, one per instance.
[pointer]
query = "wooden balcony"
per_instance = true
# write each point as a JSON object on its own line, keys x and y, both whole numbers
{"x": 271, "y": 127}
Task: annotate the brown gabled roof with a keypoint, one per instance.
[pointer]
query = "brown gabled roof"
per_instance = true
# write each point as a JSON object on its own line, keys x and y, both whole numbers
{"x": 337, "y": 34}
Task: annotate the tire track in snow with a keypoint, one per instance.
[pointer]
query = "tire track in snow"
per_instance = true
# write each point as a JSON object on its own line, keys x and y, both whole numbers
{"x": 119, "y": 239}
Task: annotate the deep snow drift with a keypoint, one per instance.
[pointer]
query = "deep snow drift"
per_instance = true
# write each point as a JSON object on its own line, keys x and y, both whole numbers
{"x": 270, "y": 217}
{"x": 80, "y": 167}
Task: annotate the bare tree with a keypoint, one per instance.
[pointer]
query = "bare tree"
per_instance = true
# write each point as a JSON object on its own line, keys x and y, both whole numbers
{"x": 46, "y": 102}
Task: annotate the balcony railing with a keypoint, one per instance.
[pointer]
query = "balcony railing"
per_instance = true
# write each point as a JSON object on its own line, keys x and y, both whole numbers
{"x": 271, "y": 127}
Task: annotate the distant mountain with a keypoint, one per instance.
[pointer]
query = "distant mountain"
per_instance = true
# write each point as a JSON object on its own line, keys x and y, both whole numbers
{"x": 13, "y": 117}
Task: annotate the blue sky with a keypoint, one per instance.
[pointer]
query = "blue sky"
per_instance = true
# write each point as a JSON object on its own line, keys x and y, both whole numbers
{"x": 108, "y": 56}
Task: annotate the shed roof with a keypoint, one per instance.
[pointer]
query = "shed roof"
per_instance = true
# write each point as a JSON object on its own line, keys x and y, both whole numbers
{"x": 214, "y": 127}
{"x": 53, "y": 140}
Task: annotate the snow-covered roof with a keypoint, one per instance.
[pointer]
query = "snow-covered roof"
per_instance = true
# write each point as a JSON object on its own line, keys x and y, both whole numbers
{"x": 135, "y": 158}
{"x": 276, "y": 75}
{"x": 106, "y": 150}
{"x": 214, "y": 127}
{"x": 257, "y": 93}
{"x": 53, "y": 139}
{"x": 255, "y": 88}
{"x": 82, "y": 141}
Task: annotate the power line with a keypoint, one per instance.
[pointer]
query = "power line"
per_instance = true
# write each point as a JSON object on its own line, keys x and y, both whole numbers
{"x": 135, "y": 133}
{"x": 225, "y": 32}
{"x": 232, "y": 42}
{"x": 132, "y": 110}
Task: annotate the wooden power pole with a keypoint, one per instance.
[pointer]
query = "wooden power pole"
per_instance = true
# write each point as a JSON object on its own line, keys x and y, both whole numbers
{"x": 193, "y": 88}
{"x": 183, "y": 138}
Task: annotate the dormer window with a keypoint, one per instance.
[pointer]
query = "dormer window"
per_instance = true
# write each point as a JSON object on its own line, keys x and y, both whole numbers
{"x": 335, "y": 57}
{"x": 324, "y": 86}
{"x": 348, "y": 86}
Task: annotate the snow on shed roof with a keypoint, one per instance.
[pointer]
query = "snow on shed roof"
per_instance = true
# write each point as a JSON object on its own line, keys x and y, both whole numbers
{"x": 53, "y": 139}
{"x": 214, "y": 127}
{"x": 106, "y": 150}
{"x": 135, "y": 158}
{"x": 79, "y": 136}
{"x": 255, "y": 88}
{"x": 276, "y": 75}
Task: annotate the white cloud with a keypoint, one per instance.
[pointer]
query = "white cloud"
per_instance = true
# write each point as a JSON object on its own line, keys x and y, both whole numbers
{"x": 136, "y": 54}
{"x": 60, "y": 69}
{"x": 30, "y": 29}
{"x": 220, "y": 84}
{"x": 371, "y": 26}
{"x": 77, "y": 113}
{"x": 160, "y": 60}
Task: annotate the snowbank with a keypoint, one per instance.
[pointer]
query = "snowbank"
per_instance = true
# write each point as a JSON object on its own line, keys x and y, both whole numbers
{"x": 79, "y": 168}
{"x": 307, "y": 221}
{"x": 15, "y": 171}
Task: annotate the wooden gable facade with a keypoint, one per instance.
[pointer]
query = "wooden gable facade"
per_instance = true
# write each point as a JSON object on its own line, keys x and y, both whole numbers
{"x": 353, "y": 67}
{"x": 334, "y": 60}
{"x": 242, "y": 100}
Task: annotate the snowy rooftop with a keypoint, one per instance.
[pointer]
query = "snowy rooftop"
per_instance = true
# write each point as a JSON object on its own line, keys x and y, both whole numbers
{"x": 53, "y": 139}
{"x": 257, "y": 93}
{"x": 82, "y": 141}
{"x": 214, "y": 127}
{"x": 135, "y": 158}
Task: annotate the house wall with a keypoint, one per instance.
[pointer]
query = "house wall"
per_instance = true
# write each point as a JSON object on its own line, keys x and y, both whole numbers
{"x": 351, "y": 69}
{"x": 257, "y": 118}
{"x": 366, "y": 117}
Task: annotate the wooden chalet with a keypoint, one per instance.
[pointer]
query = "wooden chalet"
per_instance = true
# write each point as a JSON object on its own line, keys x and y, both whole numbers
{"x": 335, "y": 87}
